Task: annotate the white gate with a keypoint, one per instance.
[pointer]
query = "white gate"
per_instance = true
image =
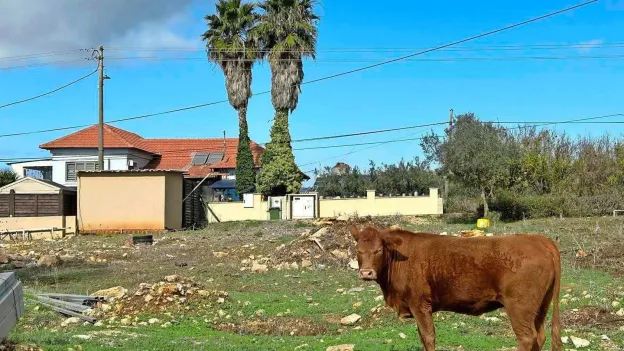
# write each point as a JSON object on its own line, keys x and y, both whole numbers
{"x": 302, "y": 207}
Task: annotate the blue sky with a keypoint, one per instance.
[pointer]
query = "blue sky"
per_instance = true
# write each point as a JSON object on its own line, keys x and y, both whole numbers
{"x": 395, "y": 95}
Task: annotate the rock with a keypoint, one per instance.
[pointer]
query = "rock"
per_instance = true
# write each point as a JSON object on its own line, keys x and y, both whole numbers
{"x": 344, "y": 347}
{"x": 124, "y": 255}
{"x": 306, "y": 263}
{"x": 615, "y": 304}
{"x": 341, "y": 254}
{"x": 105, "y": 307}
{"x": 220, "y": 254}
{"x": 604, "y": 338}
{"x": 294, "y": 265}
{"x": 402, "y": 336}
{"x": 49, "y": 261}
{"x": 489, "y": 234}
{"x": 620, "y": 312}
{"x": 260, "y": 313}
{"x": 444, "y": 233}
{"x": 492, "y": 319}
{"x": 578, "y": 342}
{"x": 172, "y": 278}
{"x": 70, "y": 321}
{"x": 153, "y": 321}
{"x": 350, "y": 319}
{"x": 379, "y": 298}
{"x": 395, "y": 227}
{"x": 116, "y": 292}
{"x": 302, "y": 346}
{"x": 4, "y": 258}
{"x": 98, "y": 324}
{"x": 82, "y": 337}
{"x": 125, "y": 321}
{"x": 128, "y": 243}
{"x": 471, "y": 233}
{"x": 319, "y": 233}
{"x": 565, "y": 339}
{"x": 353, "y": 264}
{"x": 148, "y": 298}
{"x": 343, "y": 218}
{"x": 258, "y": 268}
{"x": 221, "y": 300}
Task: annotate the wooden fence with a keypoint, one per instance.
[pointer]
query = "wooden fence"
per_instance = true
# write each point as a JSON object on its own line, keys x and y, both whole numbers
{"x": 37, "y": 205}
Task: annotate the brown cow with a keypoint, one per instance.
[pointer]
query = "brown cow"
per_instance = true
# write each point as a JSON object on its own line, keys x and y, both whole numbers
{"x": 421, "y": 273}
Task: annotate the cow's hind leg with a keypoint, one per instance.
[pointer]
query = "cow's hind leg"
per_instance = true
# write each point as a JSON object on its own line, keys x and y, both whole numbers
{"x": 540, "y": 319}
{"x": 522, "y": 319}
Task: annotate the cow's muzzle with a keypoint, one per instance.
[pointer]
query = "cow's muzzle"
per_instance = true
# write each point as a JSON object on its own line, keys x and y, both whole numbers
{"x": 368, "y": 274}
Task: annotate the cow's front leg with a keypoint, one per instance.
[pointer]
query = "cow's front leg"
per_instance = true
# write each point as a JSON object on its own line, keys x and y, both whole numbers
{"x": 424, "y": 320}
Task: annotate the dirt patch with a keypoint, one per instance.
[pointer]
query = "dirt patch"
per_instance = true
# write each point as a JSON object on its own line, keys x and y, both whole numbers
{"x": 590, "y": 316}
{"x": 276, "y": 327}
{"x": 608, "y": 257}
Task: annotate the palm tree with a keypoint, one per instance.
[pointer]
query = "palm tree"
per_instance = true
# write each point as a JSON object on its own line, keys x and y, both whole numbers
{"x": 231, "y": 47}
{"x": 287, "y": 33}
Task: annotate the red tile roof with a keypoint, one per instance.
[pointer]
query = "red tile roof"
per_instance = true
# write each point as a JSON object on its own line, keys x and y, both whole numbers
{"x": 168, "y": 153}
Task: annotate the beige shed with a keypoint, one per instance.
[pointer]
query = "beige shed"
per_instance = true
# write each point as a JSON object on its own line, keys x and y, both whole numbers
{"x": 134, "y": 200}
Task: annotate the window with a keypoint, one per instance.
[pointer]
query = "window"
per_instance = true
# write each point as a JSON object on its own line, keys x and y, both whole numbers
{"x": 73, "y": 167}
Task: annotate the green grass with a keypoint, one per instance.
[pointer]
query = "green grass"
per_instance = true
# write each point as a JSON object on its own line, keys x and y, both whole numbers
{"x": 308, "y": 303}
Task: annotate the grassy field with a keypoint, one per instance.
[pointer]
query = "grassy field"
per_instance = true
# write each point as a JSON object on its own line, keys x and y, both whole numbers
{"x": 299, "y": 309}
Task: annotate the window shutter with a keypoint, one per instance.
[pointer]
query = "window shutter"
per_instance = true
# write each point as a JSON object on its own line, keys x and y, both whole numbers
{"x": 71, "y": 172}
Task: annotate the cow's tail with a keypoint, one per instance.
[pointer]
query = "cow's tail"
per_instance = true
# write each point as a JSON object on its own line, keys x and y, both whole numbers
{"x": 556, "y": 343}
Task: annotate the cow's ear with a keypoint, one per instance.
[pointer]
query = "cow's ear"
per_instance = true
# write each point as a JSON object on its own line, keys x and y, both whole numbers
{"x": 355, "y": 232}
{"x": 392, "y": 241}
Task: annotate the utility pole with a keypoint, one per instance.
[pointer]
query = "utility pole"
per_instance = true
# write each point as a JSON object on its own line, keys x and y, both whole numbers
{"x": 101, "y": 110}
{"x": 446, "y": 183}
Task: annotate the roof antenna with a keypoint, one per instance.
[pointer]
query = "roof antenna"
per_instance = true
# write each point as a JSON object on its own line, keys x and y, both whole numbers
{"x": 222, "y": 157}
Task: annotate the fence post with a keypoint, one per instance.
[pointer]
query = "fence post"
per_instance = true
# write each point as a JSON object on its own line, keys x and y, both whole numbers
{"x": 12, "y": 203}
{"x": 61, "y": 203}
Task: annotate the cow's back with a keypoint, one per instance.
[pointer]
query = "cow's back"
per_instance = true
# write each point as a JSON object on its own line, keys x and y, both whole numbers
{"x": 473, "y": 275}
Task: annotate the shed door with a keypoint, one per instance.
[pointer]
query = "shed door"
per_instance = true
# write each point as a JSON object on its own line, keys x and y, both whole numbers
{"x": 303, "y": 207}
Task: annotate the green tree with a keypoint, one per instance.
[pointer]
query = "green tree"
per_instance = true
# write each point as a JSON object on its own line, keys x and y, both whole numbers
{"x": 231, "y": 46}
{"x": 287, "y": 33}
{"x": 7, "y": 176}
{"x": 474, "y": 153}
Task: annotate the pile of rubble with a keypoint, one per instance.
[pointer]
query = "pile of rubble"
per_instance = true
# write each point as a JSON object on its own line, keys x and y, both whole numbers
{"x": 25, "y": 259}
{"x": 173, "y": 291}
{"x": 330, "y": 243}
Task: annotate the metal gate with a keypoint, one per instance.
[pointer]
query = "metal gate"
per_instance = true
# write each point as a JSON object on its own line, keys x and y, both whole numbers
{"x": 302, "y": 207}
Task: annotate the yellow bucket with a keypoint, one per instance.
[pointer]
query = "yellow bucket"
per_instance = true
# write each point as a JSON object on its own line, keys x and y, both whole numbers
{"x": 483, "y": 223}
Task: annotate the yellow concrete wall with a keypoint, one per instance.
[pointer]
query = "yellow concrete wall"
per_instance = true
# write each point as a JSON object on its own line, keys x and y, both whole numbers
{"x": 17, "y": 223}
{"x": 173, "y": 200}
{"x": 29, "y": 186}
{"x": 114, "y": 201}
{"x": 234, "y": 211}
{"x": 369, "y": 206}
{"x": 383, "y": 206}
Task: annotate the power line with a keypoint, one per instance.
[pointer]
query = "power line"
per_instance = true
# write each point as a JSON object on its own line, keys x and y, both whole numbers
{"x": 441, "y": 59}
{"x": 39, "y": 55}
{"x": 368, "y": 132}
{"x": 392, "y": 49}
{"x": 526, "y": 124}
{"x": 346, "y": 72}
{"x": 50, "y": 63}
{"x": 49, "y": 92}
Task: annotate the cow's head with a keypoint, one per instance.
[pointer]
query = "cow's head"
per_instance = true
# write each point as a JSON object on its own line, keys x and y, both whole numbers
{"x": 373, "y": 247}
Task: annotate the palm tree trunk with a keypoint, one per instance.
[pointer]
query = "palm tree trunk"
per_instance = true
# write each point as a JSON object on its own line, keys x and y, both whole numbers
{"x": 245, "y": 172}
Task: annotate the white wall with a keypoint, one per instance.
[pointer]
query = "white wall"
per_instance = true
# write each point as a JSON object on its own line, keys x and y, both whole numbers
{"x": 19, "y": 167}
{"x": 114, "y": 159}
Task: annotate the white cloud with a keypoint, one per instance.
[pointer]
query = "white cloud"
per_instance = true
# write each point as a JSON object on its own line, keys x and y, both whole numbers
{"x": 37, "y": 26}
{"x": 587, "y": 46}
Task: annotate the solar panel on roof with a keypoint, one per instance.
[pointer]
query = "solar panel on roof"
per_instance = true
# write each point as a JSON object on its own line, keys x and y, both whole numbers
{"x": 214, "y": 157}
{"x": 200, "y": 158}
